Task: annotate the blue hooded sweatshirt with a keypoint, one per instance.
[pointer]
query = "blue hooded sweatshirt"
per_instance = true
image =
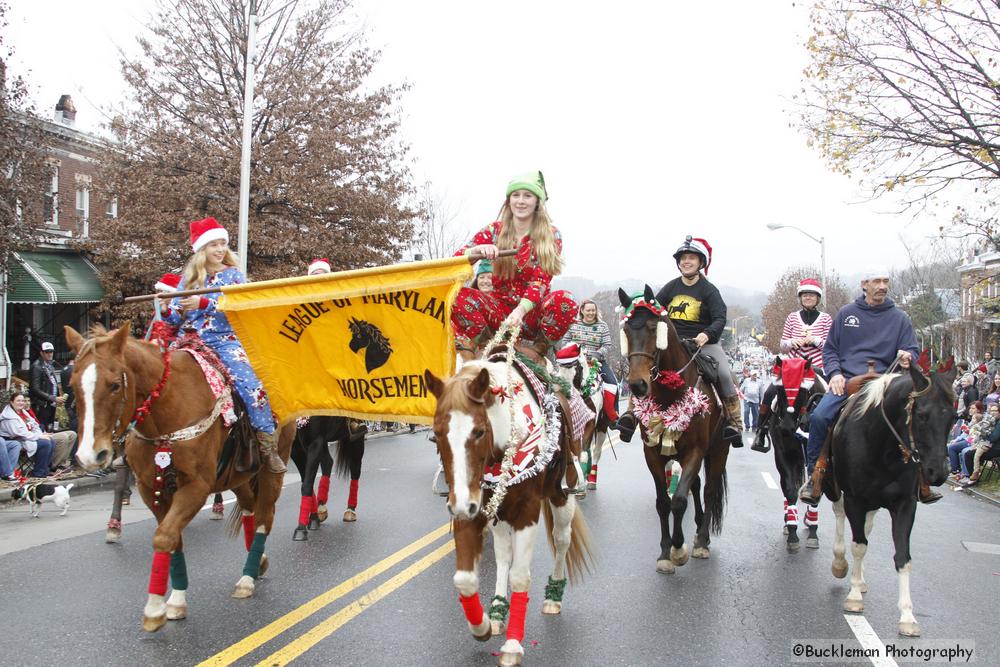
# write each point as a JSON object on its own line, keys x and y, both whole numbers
{"x": 861, "y": 332}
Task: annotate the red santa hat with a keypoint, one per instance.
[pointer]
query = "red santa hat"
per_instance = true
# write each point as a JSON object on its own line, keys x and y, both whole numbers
{"x": 205, "y": 231}
{"x": 168, "y": 283}
{"x": 810, "y": 285}
{"x": 321, "y": 265}
{"x": 568, "y": 355}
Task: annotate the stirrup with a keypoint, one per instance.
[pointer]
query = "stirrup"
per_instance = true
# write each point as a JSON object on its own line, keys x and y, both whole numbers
{"x": 731, "y": 434}
{"x": 626, "y": 425}
{"x": 760, "y": 443}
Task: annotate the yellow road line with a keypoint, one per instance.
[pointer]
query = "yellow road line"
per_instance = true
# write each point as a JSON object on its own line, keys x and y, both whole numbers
{"x": 299, "y": 646}
{"x": 271, "y": 630}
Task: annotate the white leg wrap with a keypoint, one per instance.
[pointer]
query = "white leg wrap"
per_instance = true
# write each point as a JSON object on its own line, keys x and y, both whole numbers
{"x": 156, "y": 606}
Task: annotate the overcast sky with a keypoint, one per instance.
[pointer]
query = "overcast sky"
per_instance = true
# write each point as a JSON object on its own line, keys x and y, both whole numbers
{"x": 650, "y": 121}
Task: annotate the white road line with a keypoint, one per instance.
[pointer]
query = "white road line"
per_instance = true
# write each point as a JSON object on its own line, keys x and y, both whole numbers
{"x": 869, "y": 640}
{"x": 769, "y": 480}
{"x": 982, "y": 547}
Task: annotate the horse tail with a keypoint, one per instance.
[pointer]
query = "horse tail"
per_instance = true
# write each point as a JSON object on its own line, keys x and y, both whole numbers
{"x": 346, "y": 451}
{"x": 234, "y": 522}
{"x": 579, "y": 556}
{"x": 716, "y": 491}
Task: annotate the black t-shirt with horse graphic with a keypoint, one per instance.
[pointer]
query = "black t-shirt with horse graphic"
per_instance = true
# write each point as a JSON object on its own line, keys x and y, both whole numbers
{"x": 694, "y": 308}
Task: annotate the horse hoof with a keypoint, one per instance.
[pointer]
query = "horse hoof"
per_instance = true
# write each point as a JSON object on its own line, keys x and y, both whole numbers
{"x": 854, "y": 606}
{"x": 350, "y": 515}
{"x": 510, "y": 659}
{"x": 581, "y": 493}
{"x": 665, "y": 567}
{"x": 496, "y": 628}
{"x": 300, "y": 534}
{"x": 153, "y": 623}
{"x": 113, "y": 535}
{"x": 217, "y": 516}
{"x": 264, "y": 564}
{"x": 176, "y": 612}
{"x": 700, "y": 552}
{"x": 552, "y": 608}
{"x": 244, "y": 588}
{"x": 812, "y": 543}
{"x": 322, "y": 513}
{"x": 839, "y": 569}
{"x": 793, "y": 547}
{"x": 486, "y": 635}
{"x": 909, "y": 629}
{"x": 679, "y": 556}
{"x": 592, "y": 486}
{"x": 313, "y": 522}
{"x": 784, "y": 530}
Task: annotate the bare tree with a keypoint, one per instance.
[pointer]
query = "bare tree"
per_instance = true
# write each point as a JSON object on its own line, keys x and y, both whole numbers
{"x": 438, "y": 232}
{"x": 329, "y": 175}
{"x": 903, "y": 93}
{"x": 784, "y": 299}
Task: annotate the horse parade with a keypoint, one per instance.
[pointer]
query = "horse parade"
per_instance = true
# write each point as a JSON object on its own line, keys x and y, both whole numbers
{"x": 271, "y": 398}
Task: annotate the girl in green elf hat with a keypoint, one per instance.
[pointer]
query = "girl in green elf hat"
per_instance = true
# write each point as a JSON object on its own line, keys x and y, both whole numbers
{"x": 484, "y": 276}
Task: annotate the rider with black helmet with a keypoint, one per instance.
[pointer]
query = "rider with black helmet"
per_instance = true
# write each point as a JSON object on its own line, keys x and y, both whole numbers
{"x": 697, "y": 311}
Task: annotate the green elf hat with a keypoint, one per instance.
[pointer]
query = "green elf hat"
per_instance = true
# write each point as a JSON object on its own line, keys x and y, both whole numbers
{"x": 533, "y": 181}
{"x": 484, "y": 266}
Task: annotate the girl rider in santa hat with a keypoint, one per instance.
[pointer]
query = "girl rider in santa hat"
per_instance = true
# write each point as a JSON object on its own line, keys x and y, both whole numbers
{"x": 593, "y": 336}
{"x": 804, "y": 335}
{"x": 697, "y": 311}
{"x": 213, "y": 264}
{"x": 521, "y": 284}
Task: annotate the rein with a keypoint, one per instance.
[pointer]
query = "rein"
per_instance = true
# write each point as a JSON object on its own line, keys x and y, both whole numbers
{"x": 910, "y": 454}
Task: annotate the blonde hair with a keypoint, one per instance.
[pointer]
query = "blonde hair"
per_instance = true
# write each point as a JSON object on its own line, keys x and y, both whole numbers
{"x": 195, "y": 272}
{"x": 588, "y": 302}
{"x": 543, "y": 241}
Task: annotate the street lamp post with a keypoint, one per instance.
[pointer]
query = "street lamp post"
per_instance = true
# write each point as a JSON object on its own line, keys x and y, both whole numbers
{"x": 736, "y": 329}
{"x": 822, "y": 248}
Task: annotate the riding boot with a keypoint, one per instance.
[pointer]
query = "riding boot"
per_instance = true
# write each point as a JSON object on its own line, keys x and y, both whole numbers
{"x": 926, "y": 495}
{"x": 267, "y": 443}
{"x": 733, "y": 430}
{"x": 760, "y": 442}
{"x": 610, "y": 405}
{"x": 626, "y": 425}
{"x": 812, "y": 490}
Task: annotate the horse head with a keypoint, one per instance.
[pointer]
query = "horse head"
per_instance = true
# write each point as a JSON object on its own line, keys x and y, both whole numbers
{"x": 797, "y": 384}
{"x": 104, "y": 395}
{"x": 933, "y": 417}
{"x": 646, "y": 334}
{"x": 463, "y": 434}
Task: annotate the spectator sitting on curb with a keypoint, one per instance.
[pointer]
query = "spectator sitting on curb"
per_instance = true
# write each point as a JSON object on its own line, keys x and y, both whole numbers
{"x": 977, "y": 427}
{"x": 991, "y": 434}
{"x": 10, "y": 449}
{"x": 18, "y": 422}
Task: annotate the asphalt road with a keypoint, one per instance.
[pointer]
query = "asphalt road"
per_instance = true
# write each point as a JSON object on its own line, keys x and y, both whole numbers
{"x": 348, "y": 596}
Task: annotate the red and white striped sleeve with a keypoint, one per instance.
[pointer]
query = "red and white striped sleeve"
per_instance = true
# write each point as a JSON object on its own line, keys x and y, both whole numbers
{"x": 790, "y": 331}
{"x": 821, "y": 329}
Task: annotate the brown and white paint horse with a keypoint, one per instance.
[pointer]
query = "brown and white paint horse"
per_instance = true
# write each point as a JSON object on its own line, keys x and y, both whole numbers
{"x": 472, "y": 424}
{"x": 114, "y": 375}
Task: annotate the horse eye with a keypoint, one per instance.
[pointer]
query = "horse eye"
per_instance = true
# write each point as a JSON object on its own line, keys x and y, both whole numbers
{"x": 115, "y": 386}
{"x": 478, "y": 433}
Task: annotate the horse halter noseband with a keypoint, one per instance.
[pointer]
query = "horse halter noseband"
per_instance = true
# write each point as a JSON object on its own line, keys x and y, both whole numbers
{"x": 910, "y": 454}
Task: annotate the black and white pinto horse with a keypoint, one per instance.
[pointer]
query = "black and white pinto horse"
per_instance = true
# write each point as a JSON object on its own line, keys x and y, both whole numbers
{"x": 798, "y": 390}
{"x": 893, "y": 429}
{"x": 311, "y": 454}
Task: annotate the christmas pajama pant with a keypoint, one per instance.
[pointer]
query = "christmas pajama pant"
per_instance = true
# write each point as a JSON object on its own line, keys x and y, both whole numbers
{"x": 248, "y": 385}
{"x": 475, "y": 312}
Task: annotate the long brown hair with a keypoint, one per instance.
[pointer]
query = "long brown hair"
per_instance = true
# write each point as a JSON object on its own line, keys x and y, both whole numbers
{"x": 195, "y": 272}
{"x": 543, "y": 241}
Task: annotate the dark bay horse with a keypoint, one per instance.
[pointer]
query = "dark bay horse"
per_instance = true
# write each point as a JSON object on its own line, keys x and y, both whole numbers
{"x": 654, "y": 348}
{"x": 895, "y": 428}
{"x": 472, "y": 426}
{"x": 311, "y": 454}
{"x": 174, "y": 451}
{"x": 798, "y": 390}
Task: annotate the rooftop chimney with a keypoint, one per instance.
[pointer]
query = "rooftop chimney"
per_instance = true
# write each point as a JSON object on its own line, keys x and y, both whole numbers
{"x": 65, "y": 110}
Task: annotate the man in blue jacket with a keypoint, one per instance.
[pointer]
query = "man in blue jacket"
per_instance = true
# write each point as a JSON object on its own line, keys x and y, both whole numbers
{"x": 871, "y": 328}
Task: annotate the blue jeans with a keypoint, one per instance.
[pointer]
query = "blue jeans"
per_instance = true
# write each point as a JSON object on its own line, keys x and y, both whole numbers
{"x": 955, "y": 448}
{"x": 751, "y": 414}
{"x": 9, "y": 451}
{"x": 819, "y": 425}
{"x": 43, "y": 456}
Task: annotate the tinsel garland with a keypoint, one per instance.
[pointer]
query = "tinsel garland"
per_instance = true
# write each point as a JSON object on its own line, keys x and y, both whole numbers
{"x": 676, "y": 417}
{"x": 507, "y": 333}
{"x": 554, "y": 589}
{"x": 499, "y": 608}
{"x": 544, "y": 375}
{"x": 588, "y": 385}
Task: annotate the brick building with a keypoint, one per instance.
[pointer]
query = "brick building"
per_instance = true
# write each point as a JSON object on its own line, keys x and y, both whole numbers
{"x": 980, "y": 304}
{"x": 52, "y": 284}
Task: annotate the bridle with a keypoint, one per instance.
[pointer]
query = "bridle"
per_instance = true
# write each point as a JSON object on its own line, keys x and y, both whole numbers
{"x": 910, "y": 454}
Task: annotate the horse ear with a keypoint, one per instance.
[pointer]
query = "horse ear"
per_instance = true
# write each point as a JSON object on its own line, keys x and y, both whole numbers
{"x": 920, "y": 381}
{"x": 433, "y": 383}
{"x": 625, "y": 299}
{"x": 648, "y": 293}
{"x": 120, "y": 338}
{"x": 73, "y": 339}
{"x": 481, "y": 384}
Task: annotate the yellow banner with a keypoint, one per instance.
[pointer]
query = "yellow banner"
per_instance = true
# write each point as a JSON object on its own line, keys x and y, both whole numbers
{"x": 353, "y": 343}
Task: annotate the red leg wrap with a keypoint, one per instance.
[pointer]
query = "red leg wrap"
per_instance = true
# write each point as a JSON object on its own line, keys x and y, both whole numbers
{"x": 323, "y": 493}
{"x": 159, "y": 573}
{"x": 352, "y": 496}
{"x": 610, "y": 408}
{"x": 592, "y": 477}
{"x": 792, "y": 516}
{"x": 305, "y": 507}
{"x": 812, "y": 517}
{"x": 518, "y": 610}
{"x": 248, "y": 529}
{"x": 315, "y": 505}
{"x": 472, "y": 607}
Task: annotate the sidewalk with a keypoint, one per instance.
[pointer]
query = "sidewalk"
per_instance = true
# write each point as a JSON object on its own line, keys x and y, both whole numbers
{"x": 81, "y": 481}
{"x": 974, "y": 491}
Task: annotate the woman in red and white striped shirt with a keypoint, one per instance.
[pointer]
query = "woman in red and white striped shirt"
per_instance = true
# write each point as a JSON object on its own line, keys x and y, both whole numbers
{"x": 804, "y": 335}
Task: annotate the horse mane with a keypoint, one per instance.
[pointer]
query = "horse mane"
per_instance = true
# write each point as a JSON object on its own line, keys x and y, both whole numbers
{"x": 459, "y": 400}
{"x": 372, "y": 331}
{"x": 872, "y": 394}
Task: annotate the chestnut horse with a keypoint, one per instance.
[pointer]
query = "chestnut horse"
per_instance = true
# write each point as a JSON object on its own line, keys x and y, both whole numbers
{"x": 472, "y": 425}
{"x": 653, "y": 347}
{"x": 122, "y": 389}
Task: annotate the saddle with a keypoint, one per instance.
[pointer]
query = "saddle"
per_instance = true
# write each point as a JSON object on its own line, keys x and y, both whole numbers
{"x": 856, "y": 383}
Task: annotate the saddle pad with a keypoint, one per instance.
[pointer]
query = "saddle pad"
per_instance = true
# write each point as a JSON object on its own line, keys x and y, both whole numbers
{"x": 217, "y": 383}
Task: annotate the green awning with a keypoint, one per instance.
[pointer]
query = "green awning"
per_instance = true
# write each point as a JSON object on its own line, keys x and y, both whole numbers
{"x": 52, "y": 277}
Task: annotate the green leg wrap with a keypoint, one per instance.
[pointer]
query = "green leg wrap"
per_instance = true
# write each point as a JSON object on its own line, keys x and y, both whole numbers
{"x": 178, "y": 572}
{"x": 252, "y": 567}
{"x": 554, "y": 589}
{"x": 499, "y": 607}
{"x": 585, "y": 463}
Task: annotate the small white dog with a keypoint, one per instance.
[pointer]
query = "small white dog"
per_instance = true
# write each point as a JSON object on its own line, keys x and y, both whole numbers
{"x": 36, "y": 493}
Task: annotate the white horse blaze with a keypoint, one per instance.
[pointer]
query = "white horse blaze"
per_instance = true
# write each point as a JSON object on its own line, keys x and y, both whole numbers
{"x": 88, "y": 382}
{"x": 460, "y": 429}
